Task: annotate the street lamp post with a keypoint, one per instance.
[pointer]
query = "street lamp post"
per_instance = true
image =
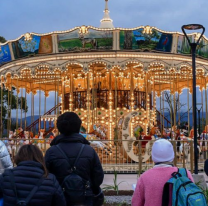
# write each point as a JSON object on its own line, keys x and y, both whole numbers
{"x": 193, "y": 52}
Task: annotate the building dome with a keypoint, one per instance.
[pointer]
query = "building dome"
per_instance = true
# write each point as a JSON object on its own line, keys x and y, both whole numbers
{"x": 106, "y": 22}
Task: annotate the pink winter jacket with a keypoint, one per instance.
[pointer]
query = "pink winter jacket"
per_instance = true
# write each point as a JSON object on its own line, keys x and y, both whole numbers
{"x": 150, "y": 185}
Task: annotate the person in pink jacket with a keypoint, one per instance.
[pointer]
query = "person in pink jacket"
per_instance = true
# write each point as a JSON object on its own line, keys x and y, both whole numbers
{"x": 150, "y": 185}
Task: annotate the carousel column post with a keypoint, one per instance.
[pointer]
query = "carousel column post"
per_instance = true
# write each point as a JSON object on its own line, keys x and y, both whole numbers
{"x": 71, "y": 91}
{"x": 10, "y": 105}
{"x": 193, "y": 51}
{"x": 45, "y": 108}
{"x": 88, "y": 102}
{"x": 154, "y": 103}
{"x": 132, "y": 88}
{"x": 25, "y": 109}
{"x": 8, "y": 112}
{"x": 147, "y": 105}
{"x": 93, "y": 95}
{"x": 17, "y": 89}
{"x": 21, "y": 108}
{"x": 110, "y": 105}
{"x": 132, "y": 99}
{"x": 39, "y": 124}
{"x": 62, "y": 95}
{"x": 58, "y": 108}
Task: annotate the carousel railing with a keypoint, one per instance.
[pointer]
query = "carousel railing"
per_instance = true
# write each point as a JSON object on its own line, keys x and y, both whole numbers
{"x": 113, "y": 156}
{"x": 37, "y": 121}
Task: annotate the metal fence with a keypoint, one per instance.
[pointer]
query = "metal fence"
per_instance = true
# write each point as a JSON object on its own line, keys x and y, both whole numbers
{"x": 114, "y": 157}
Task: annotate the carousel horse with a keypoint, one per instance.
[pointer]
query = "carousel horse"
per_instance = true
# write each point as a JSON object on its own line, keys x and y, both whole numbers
{"x": 11, "y": 142}
{"x": 27, "y": 136}
{"x": 41, "y": 137}
{"x": 20, "y": 135}
{"x": 155, "y": 132}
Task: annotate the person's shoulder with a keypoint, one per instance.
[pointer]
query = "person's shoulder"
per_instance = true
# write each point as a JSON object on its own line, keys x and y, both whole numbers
{"x": 51, "y": 149}
{"x": 51, "y": 178}
{"x": 159, "y": 170}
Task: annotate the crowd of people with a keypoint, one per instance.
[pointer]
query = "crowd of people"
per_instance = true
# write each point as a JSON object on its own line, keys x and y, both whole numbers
{"x": 71, "y": 173}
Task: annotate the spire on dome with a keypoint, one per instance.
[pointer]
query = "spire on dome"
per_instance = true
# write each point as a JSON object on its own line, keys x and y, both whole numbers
{"x": 106, "y": 22}
{"x": 106, "y": 5}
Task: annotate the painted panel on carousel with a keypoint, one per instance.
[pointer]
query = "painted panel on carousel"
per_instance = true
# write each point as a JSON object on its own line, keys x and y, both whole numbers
{"x": 5, "y": 55}
{"x": 184, "y": 48}
{"x": 93, "y": 40}
{"x": 138, "y": 40}
{"x": 183, "y": 45}
{"x": 33, "y": 46}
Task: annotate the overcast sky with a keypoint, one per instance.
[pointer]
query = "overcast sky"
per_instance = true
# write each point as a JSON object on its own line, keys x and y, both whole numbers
{"x": 42, "y": 16}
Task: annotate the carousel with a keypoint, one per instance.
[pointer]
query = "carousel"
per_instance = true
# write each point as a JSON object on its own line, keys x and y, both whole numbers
{"x": 115, "y": 79}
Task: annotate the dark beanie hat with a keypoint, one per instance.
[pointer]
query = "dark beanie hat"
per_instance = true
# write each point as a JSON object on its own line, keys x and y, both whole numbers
{"x": 69, "y": 123}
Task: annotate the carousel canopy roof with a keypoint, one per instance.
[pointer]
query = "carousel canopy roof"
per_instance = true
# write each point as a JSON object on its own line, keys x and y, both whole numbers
{"x": 43, "y": 61}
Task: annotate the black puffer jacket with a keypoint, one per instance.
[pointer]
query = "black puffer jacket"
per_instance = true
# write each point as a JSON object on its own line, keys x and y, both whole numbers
{"x": 27, "y": 174}
{"x": 88, "y": 166}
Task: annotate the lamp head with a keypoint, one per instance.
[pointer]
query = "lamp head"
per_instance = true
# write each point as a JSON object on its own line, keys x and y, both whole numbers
{"x": 193, "y": 26}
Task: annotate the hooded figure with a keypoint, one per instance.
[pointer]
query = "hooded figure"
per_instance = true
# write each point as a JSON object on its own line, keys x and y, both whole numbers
{"x": 70, "y": 141}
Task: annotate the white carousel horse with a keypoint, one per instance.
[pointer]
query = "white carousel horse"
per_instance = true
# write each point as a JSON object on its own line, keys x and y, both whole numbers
{"x": 27, "y": 135}
{"x": 40, "y": 142}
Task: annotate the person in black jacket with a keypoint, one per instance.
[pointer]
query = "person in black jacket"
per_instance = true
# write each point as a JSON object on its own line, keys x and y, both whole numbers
{"x": 30, "y": 173}
{"x": 70, "y": 141}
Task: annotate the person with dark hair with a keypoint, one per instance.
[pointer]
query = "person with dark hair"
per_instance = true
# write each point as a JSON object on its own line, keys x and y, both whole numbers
{"x": 30, "y": 183}
{"x": 71, "y": 155}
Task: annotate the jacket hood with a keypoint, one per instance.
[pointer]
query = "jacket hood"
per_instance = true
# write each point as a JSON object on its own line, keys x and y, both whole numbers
{"x": 73, "y": 138}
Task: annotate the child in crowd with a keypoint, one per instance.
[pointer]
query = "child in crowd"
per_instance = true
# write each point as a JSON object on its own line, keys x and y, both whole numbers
{"x": 149, "y": 189}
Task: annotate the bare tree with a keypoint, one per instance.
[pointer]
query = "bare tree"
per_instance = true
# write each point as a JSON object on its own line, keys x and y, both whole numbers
{"x": 174, "y": 106}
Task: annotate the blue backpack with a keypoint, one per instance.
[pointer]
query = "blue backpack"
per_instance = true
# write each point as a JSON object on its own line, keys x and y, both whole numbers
{"x": 184, "y": 191}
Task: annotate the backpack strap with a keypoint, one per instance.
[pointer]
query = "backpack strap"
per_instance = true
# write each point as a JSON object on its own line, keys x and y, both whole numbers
{"x": 33, "y": 191}
{"x": 63, "y": 153}
{"x": 165, "y": 196}
{"x": 68, "y": 160}
{"x": 183, "y": 172}
{"x": 80, "y": 152}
